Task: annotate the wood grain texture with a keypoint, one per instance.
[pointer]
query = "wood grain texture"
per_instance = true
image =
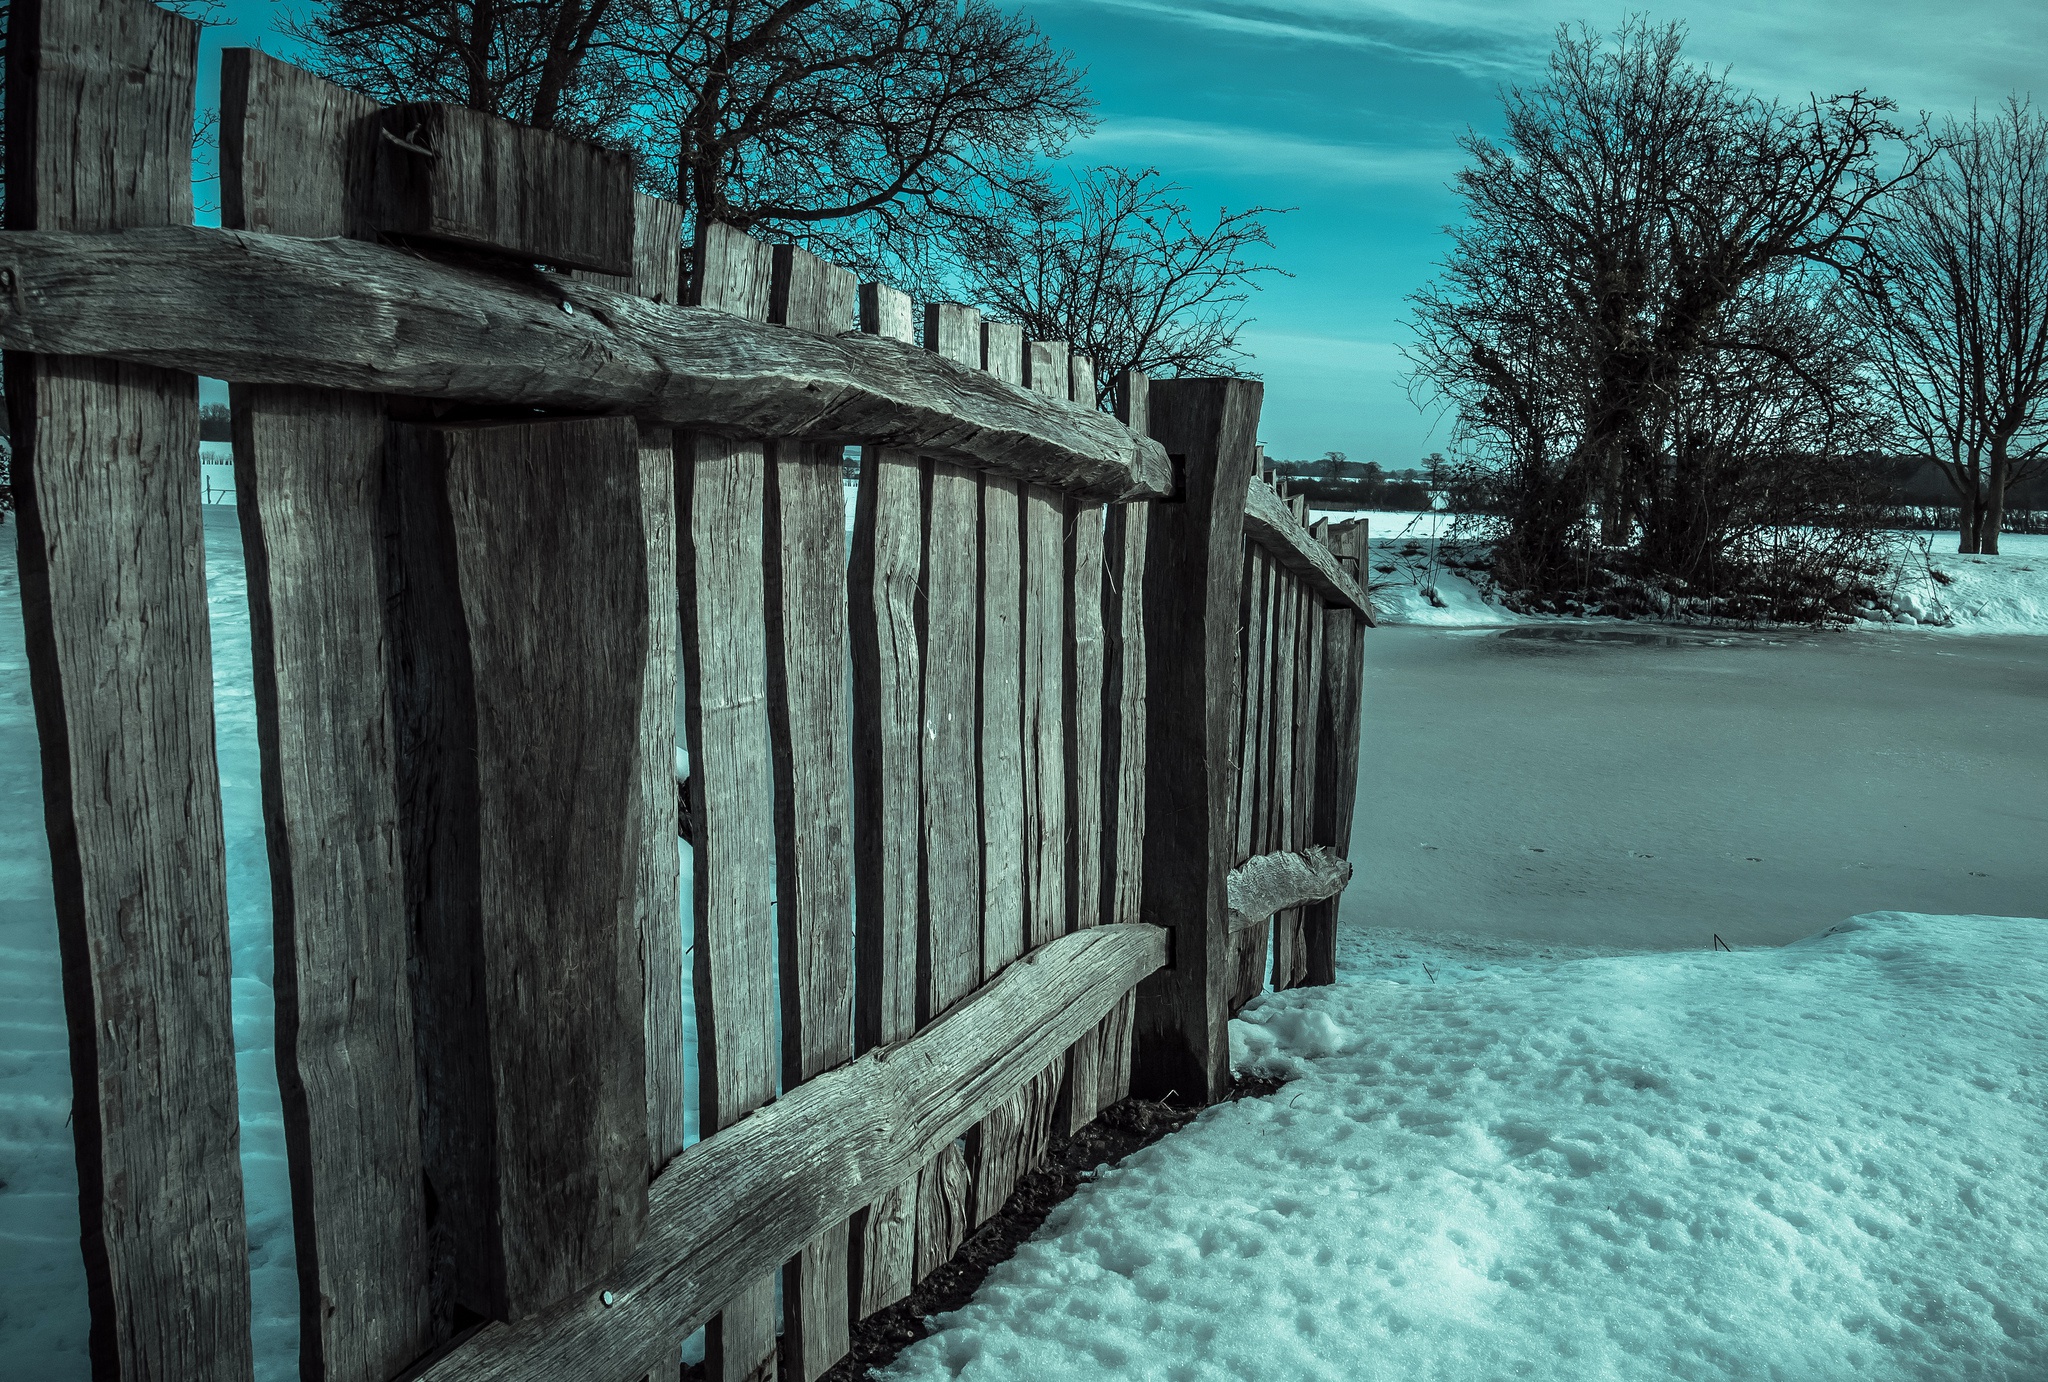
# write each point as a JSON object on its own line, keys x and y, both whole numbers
{"x": 268, "y": 309}
{"x": 656, "y": 273}
{"x": 1289, "y": 959}
{"x": 884, "y": 577}
{"x": 658, "y": 890}
{"x": 724, "y": 638}
{"x": 1011, "y": 1142}
{"x": 99, "y": 120}
{"x": 309, "y": 473}
{"x": 1193, "y": 566}
{"x": 449, "y": 175}
{"x": 808, "y": 713}
{"x": 522, "y": 564}
{"x": 1269, "y": 522}
{"x": 734, "y": 1205}
{"x": 1081, "y": 707}
{"x": 1270, "y": 883}
{"x": 1337, "y": 733}
{"x": 1045, "y": 771}
{"x": 949, "y": 918}
{"x": 295, "y": 150}
{"x": 1251, "y": 671}
{"x": 1046, "y": 370}
{"x": 1001, "y": 700}
{"x": 945, "y": 1195}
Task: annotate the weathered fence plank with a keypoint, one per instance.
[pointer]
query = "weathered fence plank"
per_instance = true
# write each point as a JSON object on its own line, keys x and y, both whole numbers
{"x": 269, "y": 309}
{"x": 309, "y": 480}
{"x": 1194, "y": 562}
{"x": 99, "y": 121}
{"x": 1123, "y": 686}
{"x": 808, "y": 712}
{"x": 1081, "y": 708}
{"x": 449, "y": 175}
{"x": 724, "y": 635}
{"x": 1289, "y": 962}
{"x": 950, "y": 912}
{"x": 1004, "y": 930}
{"x": 1252, "y": 662}
{"x": 1337, "y": 731}
{"x": 734, "y": 1205}
{"x": 521, "y": 565}
{"x": 887, "y": 680}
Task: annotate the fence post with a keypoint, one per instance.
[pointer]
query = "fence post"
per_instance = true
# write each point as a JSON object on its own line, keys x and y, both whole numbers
{"x": 1194, "y": 563}
{"x": 113, "y": 593}
{"x": 1337, "y": 732}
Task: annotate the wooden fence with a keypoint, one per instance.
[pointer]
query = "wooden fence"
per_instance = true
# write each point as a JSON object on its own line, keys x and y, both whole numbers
{"x": 1102, "y": 702}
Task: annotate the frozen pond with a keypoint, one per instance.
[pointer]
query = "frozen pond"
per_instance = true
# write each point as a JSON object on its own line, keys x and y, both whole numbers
{"x": 1625, "y": 784}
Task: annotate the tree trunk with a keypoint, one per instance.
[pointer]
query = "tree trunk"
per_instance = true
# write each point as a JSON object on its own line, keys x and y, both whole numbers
{"x": 1969, "y": 495}
{"x": 1993, "y": 513}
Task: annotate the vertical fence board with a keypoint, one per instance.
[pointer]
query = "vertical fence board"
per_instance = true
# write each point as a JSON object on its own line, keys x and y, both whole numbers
{"x": 520, "y": 811}
{"x": 1123, "y": 734}
{"x": 807, "y": 716}
{"x": 309, "y": 481}
{"x": 1081, "y": 707}
{"x": 1252, "y": 664}
{"x": 724, "y": 639}
{"x": 1337, "y": 732}
{"x": 950, "y": 911}
{"x": 887, "y": 681}
{"x": 1001, "y": 688}
{"x": 1194, "y": 562}
{"x": 1289, "y": 959}
{"x": 99, "y": 121}
{"x": 949, "y": 914}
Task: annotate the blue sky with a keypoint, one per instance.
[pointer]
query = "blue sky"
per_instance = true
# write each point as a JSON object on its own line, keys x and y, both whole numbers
{"x": 1350, "y": 111}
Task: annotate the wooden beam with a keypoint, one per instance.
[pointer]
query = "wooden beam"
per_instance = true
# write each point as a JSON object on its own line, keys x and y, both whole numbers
{"x": 1268, "y": 522}
{"x": 739, "y": 1203}
{"x": 113, "y": 594}
{"x": 267, "y": 309}
{"x": 1193, "y": 565}
{"x": 1271, "y": 883}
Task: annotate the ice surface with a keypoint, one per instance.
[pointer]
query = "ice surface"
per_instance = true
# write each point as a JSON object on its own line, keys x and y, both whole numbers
{"x": 1615, "y": 784}
{"x": 1823, "y": 1161}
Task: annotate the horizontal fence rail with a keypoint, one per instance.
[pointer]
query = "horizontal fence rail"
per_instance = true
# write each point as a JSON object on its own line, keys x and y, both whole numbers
{"x": 269, "y": 309}
{"x": 996, "y": 805}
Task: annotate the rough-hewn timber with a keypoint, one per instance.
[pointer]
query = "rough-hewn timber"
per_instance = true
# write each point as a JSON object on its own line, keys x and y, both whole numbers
{"x": 1268, "y": 522}
{"x": 737, "y": 1204}
{"x": 1270, "y": 883}
{"x": 113, "y": 599}
{"x": 267, "y": 309}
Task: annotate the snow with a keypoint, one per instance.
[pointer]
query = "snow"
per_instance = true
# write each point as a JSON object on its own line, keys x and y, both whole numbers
{"x": 1821, "y": 1161}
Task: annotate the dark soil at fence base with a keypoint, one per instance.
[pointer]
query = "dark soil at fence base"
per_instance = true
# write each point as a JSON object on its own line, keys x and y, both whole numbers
{"x": 1120, "y": 1130}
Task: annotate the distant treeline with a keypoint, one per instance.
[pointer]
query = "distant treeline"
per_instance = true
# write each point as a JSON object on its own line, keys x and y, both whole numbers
{"x": 1911, "y": 488}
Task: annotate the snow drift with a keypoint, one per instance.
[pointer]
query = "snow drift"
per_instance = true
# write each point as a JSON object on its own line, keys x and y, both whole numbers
{"x": 1829, "y": 1160}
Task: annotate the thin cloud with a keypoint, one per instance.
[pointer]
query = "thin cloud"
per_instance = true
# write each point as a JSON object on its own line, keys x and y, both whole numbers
{"x": 1195, "y": 146}
{"x": 1977, "y": 50}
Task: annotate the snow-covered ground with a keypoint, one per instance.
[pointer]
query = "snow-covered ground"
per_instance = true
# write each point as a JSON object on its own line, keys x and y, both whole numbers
{"x": 1823, "y": 1161}
{"x": 1420, "y": 577}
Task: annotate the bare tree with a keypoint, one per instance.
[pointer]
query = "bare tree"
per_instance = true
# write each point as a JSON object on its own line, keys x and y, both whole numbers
{"x": 1116, "y": 265}
{"x": 1637, "y": 245}
{"x": 862, "y": 128}
{"x": 546, "y": 63}
{"x": 1958, "y": 313}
